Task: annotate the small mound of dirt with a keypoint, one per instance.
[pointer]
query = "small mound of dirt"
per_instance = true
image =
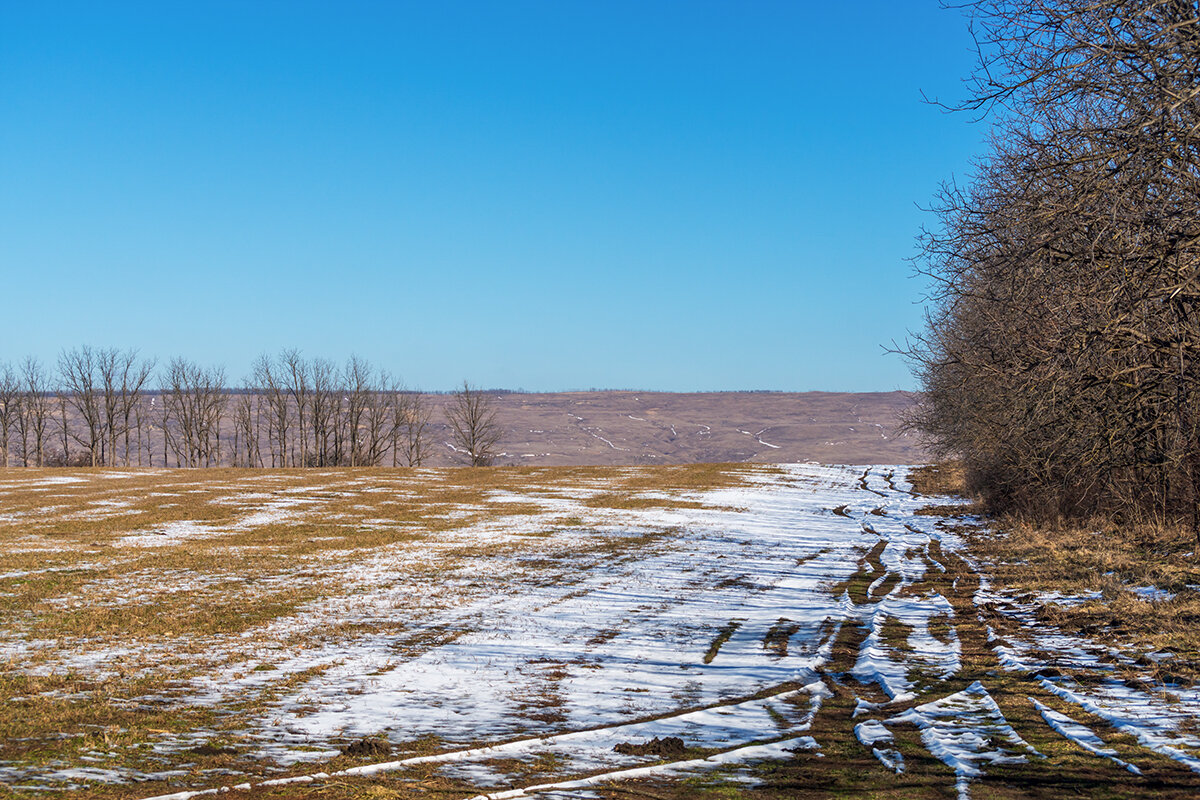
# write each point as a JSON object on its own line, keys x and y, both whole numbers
{"x": 212, "y": 750}
{"x": 667, "y": 746}
{"x": 367, "y": 747}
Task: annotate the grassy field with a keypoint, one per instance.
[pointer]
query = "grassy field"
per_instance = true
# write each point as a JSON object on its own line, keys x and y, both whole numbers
{"x": 787, "y": 631}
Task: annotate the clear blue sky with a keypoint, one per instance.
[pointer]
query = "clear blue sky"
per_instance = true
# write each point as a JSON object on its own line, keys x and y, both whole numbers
{"x": 542, "y": 195}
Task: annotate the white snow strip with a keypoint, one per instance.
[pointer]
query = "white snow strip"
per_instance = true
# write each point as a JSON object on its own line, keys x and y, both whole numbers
{"x": 964, "y": 731}
{"x": 1148, "y": 719}
{"x": 776, "y": 750}
{"x": 773, "y": 750}
{"x": 595, "y": 435}
{"x": 1080, "y": 735}
{"x": 871, "y": 732}
{"x": 1152, "y": 594}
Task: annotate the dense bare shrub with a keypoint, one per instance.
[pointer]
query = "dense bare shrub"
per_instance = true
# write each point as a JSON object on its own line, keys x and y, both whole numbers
{"x": 1061, "y": 359}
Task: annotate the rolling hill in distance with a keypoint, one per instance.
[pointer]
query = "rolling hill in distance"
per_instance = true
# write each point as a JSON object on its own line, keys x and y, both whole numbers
{"x": 629, "y": 427}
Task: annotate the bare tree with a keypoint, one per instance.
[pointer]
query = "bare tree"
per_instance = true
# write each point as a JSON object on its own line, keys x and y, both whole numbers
{"x": 10, "y": 408}
{"x": 153, "y": 411}
{"x": 325, "y": 403}
{"x": 35, "y": 409}
{"x": 108, "y": 364}
{"x": 380, "y": 422}
{"x": 356, "y": 383}
{"x": 296, "y": 377}
{"x": 137, "y": 423}
{"x": 245, "y": 430}
{"x": 193, "y": 404}
{"x": 473, "y": 428}
{"x": 268, "y": 379}
{"x": 134, "y": 375}
{"x": 376, "y": 417}
{"x": 64, "y": 429}
{"x": 79, "y": 369}
{"x": 410, "y": 428}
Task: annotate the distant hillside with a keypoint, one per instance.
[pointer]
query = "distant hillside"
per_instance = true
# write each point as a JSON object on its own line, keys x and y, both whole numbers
{"x": 567, "y": 428}
{"x": 680, "y": 428}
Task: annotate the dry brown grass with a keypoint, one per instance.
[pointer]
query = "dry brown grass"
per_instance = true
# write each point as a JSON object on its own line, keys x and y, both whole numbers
{"x": 1029, "y": 560}
{"x": 147, "y": 616}
{"x": 946, "y": 478}
{"x": 244, "y": 579}
{"x": 1078, "y": 559}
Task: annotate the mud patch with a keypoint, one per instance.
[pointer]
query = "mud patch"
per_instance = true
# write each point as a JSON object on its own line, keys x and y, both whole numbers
{"x": 369, "y": 748}
{"x": 663, "y": 747}
{"x": 210, "y": 750}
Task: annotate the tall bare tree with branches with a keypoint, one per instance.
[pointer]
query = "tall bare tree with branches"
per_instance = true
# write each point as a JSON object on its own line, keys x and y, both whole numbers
{"x": 35, "y": 411}
{"x": 10, "y": 408}
{"x": 325, "y": 405}
{"x": 194, "y": 400}
{"x": 378, "y": 418}
{"x": 474, "y": 431}
{"x": 296, "y": 379}
{"x": 410, "y": 428}
{"x": 246, "y": 451}
{"x": 269, "y": 380}
{"x": 135, "y": 374}
{"x": 1061, "y": 358}
{"x": 79, "y": 371}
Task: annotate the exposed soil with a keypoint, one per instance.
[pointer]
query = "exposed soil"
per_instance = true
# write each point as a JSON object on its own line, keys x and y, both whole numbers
{"x": 367, "y": 747}
{"x": 662, "y": 746}
{"x": 212, "y": 750}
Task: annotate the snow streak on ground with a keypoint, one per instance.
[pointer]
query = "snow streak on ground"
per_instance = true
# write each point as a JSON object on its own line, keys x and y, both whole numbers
{"x": 720, "y": 628}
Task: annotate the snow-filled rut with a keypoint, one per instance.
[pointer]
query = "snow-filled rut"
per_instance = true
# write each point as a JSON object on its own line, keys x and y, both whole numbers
{"x": 729, "y": 632}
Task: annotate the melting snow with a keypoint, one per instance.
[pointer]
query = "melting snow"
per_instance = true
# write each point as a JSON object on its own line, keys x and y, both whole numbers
{"x": 1080, "y": 734}
{"x": 736, "y": 601}
{"x": 965, "y": 730}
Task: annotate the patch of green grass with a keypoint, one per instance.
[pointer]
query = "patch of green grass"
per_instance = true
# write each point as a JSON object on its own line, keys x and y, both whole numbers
{"x": 723, "y": 636}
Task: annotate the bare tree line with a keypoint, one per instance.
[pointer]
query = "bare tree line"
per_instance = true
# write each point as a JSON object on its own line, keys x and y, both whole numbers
{"x": 1061, "y": 355}
{"x": 109, "y": 407}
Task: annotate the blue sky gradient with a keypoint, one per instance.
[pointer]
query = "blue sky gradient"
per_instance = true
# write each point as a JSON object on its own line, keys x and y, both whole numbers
{"x": 540, "y": 195}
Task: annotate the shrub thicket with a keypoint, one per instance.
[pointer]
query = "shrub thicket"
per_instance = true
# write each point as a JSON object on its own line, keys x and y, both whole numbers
{"x": 1061, "y": 356}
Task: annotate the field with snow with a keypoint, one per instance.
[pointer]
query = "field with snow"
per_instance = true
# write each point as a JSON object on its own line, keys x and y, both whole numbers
{"x": 766, "y": 631}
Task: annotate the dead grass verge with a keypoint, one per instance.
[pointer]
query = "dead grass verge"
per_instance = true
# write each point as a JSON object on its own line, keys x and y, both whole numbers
{"x": 947, "y": 478}
{"x": 1083, "y": 577}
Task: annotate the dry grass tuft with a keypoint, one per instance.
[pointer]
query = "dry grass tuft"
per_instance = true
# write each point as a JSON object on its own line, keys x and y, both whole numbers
{"x": 1029, "y": 560}
{"x": 939, "y": 479}
{"x": 1079, "y": 559}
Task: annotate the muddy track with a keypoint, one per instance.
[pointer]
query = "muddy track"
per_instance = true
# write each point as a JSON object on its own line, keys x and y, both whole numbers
{"x": 1046, "y": 744}
{"x": 1113, "y": 764}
